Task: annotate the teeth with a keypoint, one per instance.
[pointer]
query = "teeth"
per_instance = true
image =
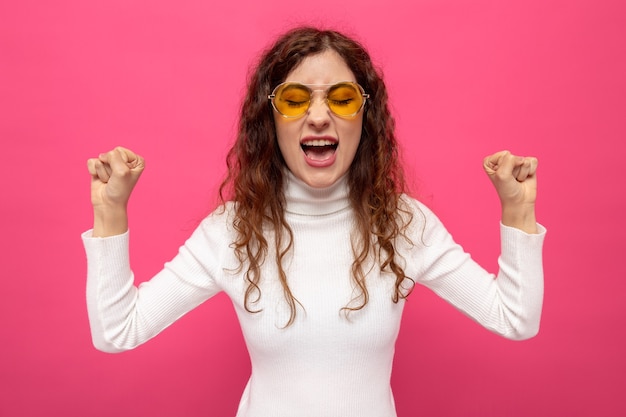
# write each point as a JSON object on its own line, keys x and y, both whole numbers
{"x": 319, "y": 142}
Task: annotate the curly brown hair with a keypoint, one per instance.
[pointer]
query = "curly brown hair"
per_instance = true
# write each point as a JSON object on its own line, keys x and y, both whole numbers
{"x": 256, "y": 169}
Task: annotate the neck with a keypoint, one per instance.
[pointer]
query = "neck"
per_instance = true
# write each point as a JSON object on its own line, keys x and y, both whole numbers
{"x": 304, "y": 199}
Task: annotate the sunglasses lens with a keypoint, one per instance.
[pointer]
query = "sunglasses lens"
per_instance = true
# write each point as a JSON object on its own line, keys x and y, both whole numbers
{"x": 292, "y": 100}
{"x": 345, "y": 99}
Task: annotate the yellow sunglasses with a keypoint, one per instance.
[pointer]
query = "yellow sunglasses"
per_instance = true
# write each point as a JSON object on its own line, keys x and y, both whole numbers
{"x": 344, "y": 99}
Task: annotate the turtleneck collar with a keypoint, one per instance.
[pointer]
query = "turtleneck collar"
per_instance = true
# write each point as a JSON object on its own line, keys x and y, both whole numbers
{"x": 306, "y": 200}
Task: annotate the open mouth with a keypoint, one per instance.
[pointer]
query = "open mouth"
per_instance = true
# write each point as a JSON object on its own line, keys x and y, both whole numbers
{"x": 319, "y": 149}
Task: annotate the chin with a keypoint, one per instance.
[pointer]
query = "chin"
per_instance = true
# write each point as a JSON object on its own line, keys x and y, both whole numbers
{"x": 321, "y": 181}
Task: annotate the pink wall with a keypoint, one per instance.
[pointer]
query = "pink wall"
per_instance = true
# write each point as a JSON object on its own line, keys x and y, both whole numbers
{"x": 164, "y": 78}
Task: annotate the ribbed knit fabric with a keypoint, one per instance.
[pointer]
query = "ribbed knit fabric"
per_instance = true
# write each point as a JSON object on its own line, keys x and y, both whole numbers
{"x": 326, "y": 364}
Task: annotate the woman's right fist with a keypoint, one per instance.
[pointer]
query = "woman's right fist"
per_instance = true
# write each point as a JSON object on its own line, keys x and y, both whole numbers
{"x": 113, "y": 177}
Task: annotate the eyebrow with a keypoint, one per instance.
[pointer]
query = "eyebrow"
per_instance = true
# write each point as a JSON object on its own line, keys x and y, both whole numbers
{"x": 319, "y": 85}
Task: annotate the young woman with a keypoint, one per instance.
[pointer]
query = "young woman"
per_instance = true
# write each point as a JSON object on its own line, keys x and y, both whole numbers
{"x": 317, "y": 243}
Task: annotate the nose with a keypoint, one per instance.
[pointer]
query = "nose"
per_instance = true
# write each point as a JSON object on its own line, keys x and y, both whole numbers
{"x": 318, "y": 114}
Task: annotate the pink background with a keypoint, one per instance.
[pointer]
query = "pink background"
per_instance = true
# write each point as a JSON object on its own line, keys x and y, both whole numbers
{"x": 165, "y": 78}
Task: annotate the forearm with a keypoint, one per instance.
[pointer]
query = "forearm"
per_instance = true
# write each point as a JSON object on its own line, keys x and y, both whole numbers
{"x": 520, "y": 280}
{"x": 110, "y": 291}
{"x": 120, "y": 318}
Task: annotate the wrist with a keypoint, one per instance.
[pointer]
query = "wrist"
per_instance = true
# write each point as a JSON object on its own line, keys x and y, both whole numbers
{"x": 520, "y": 217}
{"x": 109, "y": 221}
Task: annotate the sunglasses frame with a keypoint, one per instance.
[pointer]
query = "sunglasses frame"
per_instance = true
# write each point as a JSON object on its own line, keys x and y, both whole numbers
{"x": 327, "y": 88}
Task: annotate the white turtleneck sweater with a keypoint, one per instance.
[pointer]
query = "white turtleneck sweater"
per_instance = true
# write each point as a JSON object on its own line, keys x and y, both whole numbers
{"x": 324, "y": 364}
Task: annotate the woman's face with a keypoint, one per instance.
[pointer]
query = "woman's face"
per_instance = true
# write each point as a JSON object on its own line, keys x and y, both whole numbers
{"x": 319, "y": 146}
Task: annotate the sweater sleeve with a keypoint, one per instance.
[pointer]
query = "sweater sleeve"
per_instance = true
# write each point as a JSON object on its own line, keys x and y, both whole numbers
{"x": 122, "y": 315}
{"x": 508, "y": 303}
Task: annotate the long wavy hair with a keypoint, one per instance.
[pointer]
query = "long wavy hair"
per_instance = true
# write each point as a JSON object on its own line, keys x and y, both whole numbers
{"x": 256, "y": 170}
